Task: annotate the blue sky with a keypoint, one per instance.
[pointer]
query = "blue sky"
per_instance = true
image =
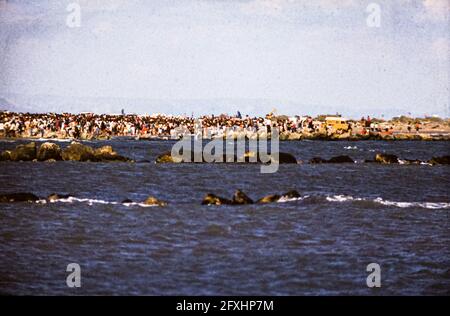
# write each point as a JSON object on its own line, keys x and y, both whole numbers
{"x": 305, "y": 56}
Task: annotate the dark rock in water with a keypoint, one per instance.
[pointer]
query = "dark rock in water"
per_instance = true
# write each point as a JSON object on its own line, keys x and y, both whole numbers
{"x": 269, "y": 199}
{"x": 286, "y": 158}
{"x": 369, "y": 161}
{"x": 5, "y": 155}
{"x": 165, "y": 158}
{"x": 127, "y": 201}
{"x": 291, "y": 195}
{"x": 410, "y": 161}
{"x": 386, "y": 158}
{"x": 106, "y": 153}
{"x": 49, "y": 151}
{"x": 337, "y": 159}
{"x": 211, "y": 199}
{"x": 317, "y": 160}
{"x": 248, "y": 157}
{"x": 24, "y": 152}
{"x": 154, "y": 201}
{"x": 240, "y": 197}
{"x": 18, "y": 197}
{"x": 55, "y": 196}
{"x": 444, "y": 160}
{"x": 78, "y": 152}
{"x": 143, "y": 161}
{"x": 275, "y": 197}
{"x": 341, "y": 159}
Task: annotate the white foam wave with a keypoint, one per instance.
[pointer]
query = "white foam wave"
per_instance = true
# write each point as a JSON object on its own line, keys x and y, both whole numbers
{"x": 350, "y": 147}
{"x": 138, "y": 204}
{"x": 61, "y": 140}
{"x": 427, "y": 205}
{"x": 90, "y": 202}
{"x": 286, "y": 199}
{"x": 341, "y": 198}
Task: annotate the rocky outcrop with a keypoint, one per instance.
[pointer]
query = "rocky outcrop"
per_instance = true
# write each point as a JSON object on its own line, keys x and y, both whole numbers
{"x": 386, "y": 159}
{"x": 106, "y": 153}
{"x": 248, "y": 157}
{"x": 240, "y": 197}
{"x": 54, "y": 197}
{"x": 151, "y": 200}
{"x": 165, "y": 158}
{"x": 337, "y": 159}
{"x": 5, "y": 155}
{"x": 291, "y": 195}
{"x": 443, "y": 160}
{"x": 49, "y": 151}
{"x": 25, "y": 152}
{"x": 410, "y": 161}
{"x": 18, "y": 197}
{"x": 269, "y": 199}
{"x": 78, "y": 152}
{"x": 212, "y": 199}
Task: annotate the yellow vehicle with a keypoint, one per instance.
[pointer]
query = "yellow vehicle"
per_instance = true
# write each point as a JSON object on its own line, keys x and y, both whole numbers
{"x": 336, "y": 123}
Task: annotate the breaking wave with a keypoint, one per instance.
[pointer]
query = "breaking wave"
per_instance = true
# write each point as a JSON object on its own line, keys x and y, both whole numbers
{"x": 90, "y": 202}
{"x": 379, "y": 200}
{"x": 331, "y": 198}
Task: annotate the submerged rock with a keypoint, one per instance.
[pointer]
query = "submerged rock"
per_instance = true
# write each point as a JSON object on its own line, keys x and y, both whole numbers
{"x": 240, "y": 197}
{"x": 18, "y": 197}
{"x": 25, "y": 152}
{"x": 269, "y": 199}
{"x": 317, "y": 160}
{"x": 212, "y": 199}
{"x": 286, "y": 158}
{"x": 49, "y": 151}
{"x": 275, "y": 197}
{"x": 154, "y": 201}
{"x": 127, "y": 201}
{"x": 386, "y": 158}
{"x": 336, "y": 159}
{"x": 443, "y": 160}
{"x": 341, "y": 159}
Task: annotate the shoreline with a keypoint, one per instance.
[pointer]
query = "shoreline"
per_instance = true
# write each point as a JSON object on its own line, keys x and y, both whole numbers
{"x": 285, "y": 137}
{"x": 89, "y": 126}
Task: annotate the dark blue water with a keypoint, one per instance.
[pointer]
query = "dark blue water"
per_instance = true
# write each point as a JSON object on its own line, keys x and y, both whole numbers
{"x": 349, "y": 216}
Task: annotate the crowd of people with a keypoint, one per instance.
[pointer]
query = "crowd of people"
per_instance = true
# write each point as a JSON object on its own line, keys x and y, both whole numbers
{"x": 90, "y": 125}
{"x": 104, "y": 126}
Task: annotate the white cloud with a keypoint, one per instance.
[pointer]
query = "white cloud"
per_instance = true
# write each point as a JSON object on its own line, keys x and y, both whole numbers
{"x": 435, "y": 10}
{"x": 276, "y": 7}
{"x": 441, "y": 48}
{"x": 102, "y": 28}
{"x": 102, "y": 5}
